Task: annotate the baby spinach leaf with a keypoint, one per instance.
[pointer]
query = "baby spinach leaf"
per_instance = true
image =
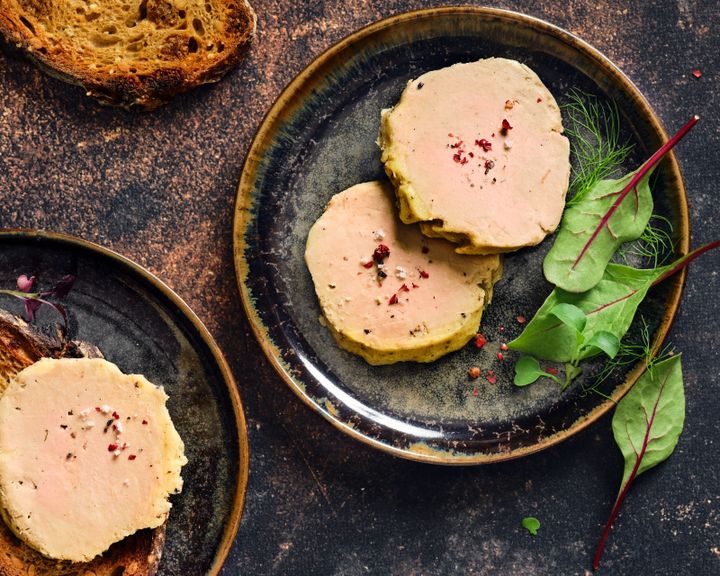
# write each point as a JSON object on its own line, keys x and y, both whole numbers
{"x": 527, "y": 371}
{"x": 646, "y": 425}
{"x": 593, "y": 228}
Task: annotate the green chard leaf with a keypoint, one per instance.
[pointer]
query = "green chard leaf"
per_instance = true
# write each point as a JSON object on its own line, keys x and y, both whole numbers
{"x": 647, "y": 424}
{"x": 609, "y": 308}
{"x": 609, "y": 214}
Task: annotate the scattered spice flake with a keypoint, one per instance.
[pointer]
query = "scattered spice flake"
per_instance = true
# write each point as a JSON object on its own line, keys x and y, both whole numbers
{"x": 132, "y": 457}
{"x": 489, "y": 165}
{"x": 474, "y": 372}
{"x": 420, "y": 85}
{"x": 112, "y": 447}
{"x": 490, "y": 377}
{"x": 425, "y": 249}
{"x": 500, "y": 356}
{"x": 521, "y": 319}
{"x": 479, "y": 340}
{"x": 553, "y": 371}
{"x": 697, "y": 73}
{"x": 509, "y": 105}
{"x": 538, "y": 100}
{"x": 503, "y": 346}
{"x": 381, "y": 252}
{"x": 144, "y": 422}
{"x": 423, "y": 274}
{"x": 462, "y": 160}
{"x": 368, "y": 264}
{"x": 404, "y": 288}
{"x": 116, "y": 415}
{"x": 475, "y": 392}
{"x": 505, "y": 127}
{"x": 484, "y": 144}
{"x": 393, "y": 300}
{"x": 415, "y": 285}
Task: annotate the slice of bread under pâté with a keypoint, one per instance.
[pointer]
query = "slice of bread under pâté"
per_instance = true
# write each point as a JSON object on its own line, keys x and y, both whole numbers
{"x": 134, "y": 53}
{"x": 137, "y": 555}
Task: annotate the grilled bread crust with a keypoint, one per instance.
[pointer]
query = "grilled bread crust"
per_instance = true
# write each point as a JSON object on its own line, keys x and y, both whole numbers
{"x": 131, "y": 53}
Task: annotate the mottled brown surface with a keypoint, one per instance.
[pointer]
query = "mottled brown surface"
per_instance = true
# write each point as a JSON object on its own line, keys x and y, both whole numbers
{"x": 160, "y": 189}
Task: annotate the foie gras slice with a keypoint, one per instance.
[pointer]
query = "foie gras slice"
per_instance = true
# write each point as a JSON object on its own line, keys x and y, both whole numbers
{"x": 387, "y": 292}
{"x": 476, "y": 153}
{"x": 88, "y": 455}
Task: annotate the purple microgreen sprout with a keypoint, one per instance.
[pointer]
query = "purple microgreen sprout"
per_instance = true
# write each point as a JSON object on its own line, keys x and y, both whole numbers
{"x": 34, "y": 300}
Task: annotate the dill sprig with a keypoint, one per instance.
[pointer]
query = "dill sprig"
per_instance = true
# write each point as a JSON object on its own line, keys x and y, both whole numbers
{"x": 594, "y": 131}
{"x": 655, "y": 246}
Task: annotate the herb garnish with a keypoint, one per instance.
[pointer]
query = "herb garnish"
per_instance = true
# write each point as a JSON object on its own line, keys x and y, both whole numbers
{"x": 531, "y": 524}
{"x": 647, "y": 424}
{"x": 34, "y": 300}
{"x": 528, "y": 370}
{"x": 572, "y": 327}
{"x": 593, "y": 228}
{"x": 655, "y": 244}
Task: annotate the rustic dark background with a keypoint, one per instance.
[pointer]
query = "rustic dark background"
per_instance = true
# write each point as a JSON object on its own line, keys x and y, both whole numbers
{"x": 160, "y": 187}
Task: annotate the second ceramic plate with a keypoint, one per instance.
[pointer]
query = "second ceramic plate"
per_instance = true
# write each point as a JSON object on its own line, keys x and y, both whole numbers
{"x": 144, "y": 328}
{"x": 318, "y": 139}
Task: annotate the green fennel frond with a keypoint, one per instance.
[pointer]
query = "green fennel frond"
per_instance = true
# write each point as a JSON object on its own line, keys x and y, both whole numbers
{"x": 593, "y": 128}
{"x": 654, "y": 247}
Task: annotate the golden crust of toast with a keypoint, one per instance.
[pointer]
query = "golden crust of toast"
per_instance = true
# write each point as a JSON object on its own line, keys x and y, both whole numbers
{"x": 138, "y": 53}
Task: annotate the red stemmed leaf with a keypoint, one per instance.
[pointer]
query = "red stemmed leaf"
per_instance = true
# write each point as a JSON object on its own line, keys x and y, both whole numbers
{"x": 646, "y": 425}
{"x": 609, "y": 306}
{"x": 62, "y": 288}
{"x": 593, "y": 228}
{"x": 32, "y": 301}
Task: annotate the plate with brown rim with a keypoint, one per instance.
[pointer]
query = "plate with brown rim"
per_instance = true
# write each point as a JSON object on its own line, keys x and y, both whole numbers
{"x": 142, "y": 326}
{"x": 319, "y": 138}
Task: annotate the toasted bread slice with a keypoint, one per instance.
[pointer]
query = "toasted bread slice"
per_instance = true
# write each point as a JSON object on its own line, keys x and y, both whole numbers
{"x": 136, "y": 555}
{"x": 131, "y": 53}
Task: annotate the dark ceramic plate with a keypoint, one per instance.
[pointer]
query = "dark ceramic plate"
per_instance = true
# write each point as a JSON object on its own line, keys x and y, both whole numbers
{"x": 319, "y": 138}
{"x": 143, "y": 327}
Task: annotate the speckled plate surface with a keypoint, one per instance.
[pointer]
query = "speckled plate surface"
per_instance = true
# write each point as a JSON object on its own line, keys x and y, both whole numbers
{"x": 319, "y": 138}
{"x": 143, "y": 327}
